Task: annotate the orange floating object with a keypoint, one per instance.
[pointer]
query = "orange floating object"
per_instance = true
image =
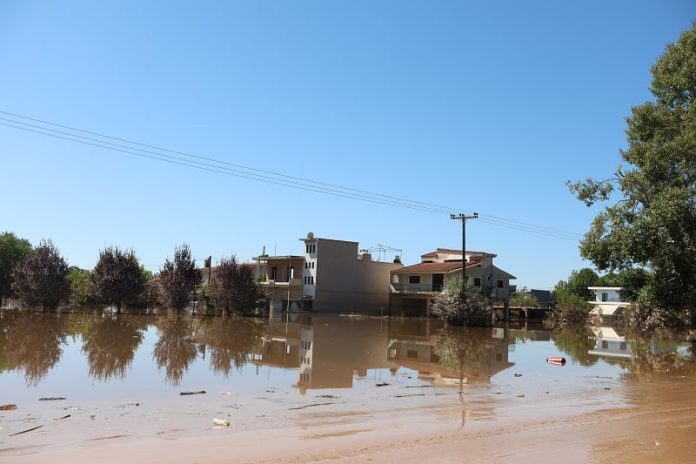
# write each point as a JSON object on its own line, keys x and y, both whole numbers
{"x": 556, "y": 361}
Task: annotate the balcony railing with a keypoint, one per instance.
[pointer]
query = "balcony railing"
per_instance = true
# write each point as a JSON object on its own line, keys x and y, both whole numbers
{"x": 280, "y": 283}
{"x": 489, "y": 291}
{"x": 413, "y": 288}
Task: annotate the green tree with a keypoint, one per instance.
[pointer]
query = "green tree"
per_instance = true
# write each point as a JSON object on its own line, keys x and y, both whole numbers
{"x": 649, "y": 218}
{"x": 12, "y": 251}
{"x": 117, "y": 277}
{"x": 41, "y": 279}
{"x": 80, "y": 286}
{"x": 179, "y": 278}
{"x": 579, "y": 281}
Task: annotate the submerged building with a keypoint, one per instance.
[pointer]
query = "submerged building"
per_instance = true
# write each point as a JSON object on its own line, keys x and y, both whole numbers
{"x": 413, "y": 288}
{"x": 332, "y": 276}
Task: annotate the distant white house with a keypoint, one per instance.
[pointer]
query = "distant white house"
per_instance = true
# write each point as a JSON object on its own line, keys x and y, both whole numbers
{"x": 607, "y": 302}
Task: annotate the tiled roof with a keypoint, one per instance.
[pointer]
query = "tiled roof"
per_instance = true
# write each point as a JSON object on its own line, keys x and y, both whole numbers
{"x": 435, "y": 268}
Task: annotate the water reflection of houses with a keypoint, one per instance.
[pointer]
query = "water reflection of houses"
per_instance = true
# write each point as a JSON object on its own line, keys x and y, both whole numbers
{"x": 327, "y": 352}
{"x": 609, "y": 343}
{"x": 444, "y": 357}
{"x": 331, "y": 352}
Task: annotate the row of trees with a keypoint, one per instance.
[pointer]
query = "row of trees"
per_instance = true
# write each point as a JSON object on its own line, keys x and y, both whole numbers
{"x": 39, "y": 277}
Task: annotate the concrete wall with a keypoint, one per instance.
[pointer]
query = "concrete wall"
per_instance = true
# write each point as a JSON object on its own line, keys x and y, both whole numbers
{"x": 343, "y": 282}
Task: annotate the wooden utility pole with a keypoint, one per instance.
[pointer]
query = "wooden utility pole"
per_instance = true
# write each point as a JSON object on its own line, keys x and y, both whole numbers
{"x": 463, "y": 217}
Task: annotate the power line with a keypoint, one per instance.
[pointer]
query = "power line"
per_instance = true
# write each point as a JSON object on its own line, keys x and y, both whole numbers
{"x": 237, "y": 170}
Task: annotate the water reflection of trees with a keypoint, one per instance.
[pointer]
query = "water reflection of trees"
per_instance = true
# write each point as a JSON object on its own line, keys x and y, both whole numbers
{"x": 110, "y": 343}
{"x": 231, "y": 341}
{"x": 31, "y": 342}
{"x": 575, "y": 341}
{"x": 469, "y": 353}
{"x": 660, "y": 355}
{"x": 176, "y": 348}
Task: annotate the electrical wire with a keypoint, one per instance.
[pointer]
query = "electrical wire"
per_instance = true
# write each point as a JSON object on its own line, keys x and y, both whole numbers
{"x": 208, "y": 164}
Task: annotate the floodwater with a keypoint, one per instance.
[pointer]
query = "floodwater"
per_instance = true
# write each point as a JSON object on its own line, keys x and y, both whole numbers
{"x": 116, "y": 377}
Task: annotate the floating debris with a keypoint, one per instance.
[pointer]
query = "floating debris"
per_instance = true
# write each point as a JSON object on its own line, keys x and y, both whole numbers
{"x": 221, "y": 422}
{"x": 309, "y": 406}
{"x": 8, "y": 407}
{"x": 53, "y": 398}
{"x": 518, "y": 375}
{"x": 27, "y": 430}
{"x": 382, "y": 384}
{"x": 202, "y": 392}
{"x": 556, "y": 361}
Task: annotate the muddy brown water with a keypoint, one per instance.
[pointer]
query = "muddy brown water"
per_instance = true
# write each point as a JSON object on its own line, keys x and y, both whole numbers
{"x": 331, "y": 377}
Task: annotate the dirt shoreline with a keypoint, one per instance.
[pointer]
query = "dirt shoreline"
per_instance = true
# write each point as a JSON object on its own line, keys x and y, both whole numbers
{"x": 657, "y": 425}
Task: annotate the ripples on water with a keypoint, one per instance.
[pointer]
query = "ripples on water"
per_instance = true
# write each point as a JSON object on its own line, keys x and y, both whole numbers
{"x": 104, "y": 356}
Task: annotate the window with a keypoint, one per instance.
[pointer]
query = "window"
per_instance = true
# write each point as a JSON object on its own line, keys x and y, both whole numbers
{"x": 291, "y": 272}
{"x": 605, "y": 344}
{"x": 500, "y": 284}
{"x": 411, "y": 354}
{"x": 605, "y": 297}
{"x": 274, "y": 273}
{"x": 414, "y": 279}
{"x": 477, "y": 282}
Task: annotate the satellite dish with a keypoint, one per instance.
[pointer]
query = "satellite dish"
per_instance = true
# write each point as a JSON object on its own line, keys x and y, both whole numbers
{"x": 310, "y": 236}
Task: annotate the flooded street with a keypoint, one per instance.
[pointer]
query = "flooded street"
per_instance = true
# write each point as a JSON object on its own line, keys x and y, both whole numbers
{"x": 93, "y": 388}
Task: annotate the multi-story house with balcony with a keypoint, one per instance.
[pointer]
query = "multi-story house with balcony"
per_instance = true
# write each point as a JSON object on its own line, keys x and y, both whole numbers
{"x": 280, "y": 278}
{"x": 333, "y": 276}
{"x": 413, "y": 288}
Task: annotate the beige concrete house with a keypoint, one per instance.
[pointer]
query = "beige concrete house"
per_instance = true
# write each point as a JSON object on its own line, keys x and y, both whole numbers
{"x": 338, "y": 278}
{"x": 413, "y": 288}
{"x": 332, "y": 276}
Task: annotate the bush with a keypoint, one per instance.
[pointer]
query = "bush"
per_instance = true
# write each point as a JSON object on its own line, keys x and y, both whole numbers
{"x": 462, "y": 307}
{"x": 645, "y": 315}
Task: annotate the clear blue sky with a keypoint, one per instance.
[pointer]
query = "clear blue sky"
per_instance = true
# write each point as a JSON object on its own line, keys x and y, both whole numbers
{"x": 485, "y": 106}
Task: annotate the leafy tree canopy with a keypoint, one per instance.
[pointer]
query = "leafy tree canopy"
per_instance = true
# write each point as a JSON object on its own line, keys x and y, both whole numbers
{"x": 117, "y": 278}
{"x": 179, "y": 278}
{"x": 12, "y": 251}
{"x": 653, "y": 223}
{"x": 41, "y": 279}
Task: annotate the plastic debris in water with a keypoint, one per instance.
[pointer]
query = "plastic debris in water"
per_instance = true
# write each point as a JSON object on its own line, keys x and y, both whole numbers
{"x": 221, "y": 422}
